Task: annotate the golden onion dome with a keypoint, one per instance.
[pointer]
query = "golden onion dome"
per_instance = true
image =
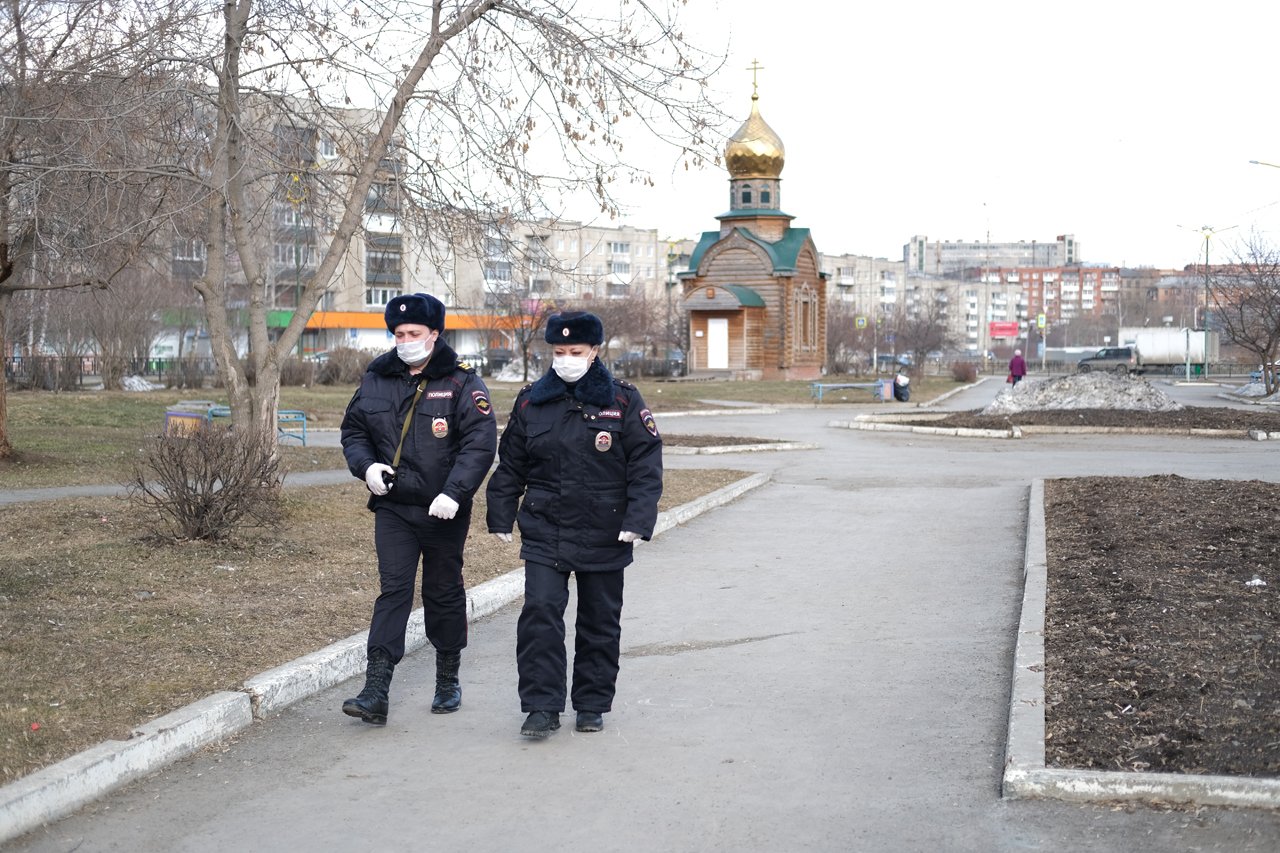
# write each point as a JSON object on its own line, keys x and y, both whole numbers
{"x": 755, "y": 151}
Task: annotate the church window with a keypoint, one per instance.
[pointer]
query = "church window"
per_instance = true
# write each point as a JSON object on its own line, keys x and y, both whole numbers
{"x": 746, "y": 195}
{"x": 806, "y": 319}
{"x": 764, "y": 196}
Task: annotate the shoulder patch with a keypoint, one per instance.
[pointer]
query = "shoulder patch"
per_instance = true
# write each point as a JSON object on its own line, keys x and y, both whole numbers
{"x": 466, "y": 366}
{"x": 624, "y": 383}
{"x": 481, "y": 401}
{"x": 646, "y": 418}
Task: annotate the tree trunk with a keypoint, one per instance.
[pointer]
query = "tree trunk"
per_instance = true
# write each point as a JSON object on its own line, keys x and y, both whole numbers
{"x": 6, "y": 449}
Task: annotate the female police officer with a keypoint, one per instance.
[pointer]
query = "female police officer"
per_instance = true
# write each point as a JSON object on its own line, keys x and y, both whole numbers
{"x": 583, "y": 450}
{"x": 420, "y": 432}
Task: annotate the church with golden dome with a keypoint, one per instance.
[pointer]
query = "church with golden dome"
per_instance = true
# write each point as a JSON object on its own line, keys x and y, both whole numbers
{"x": 754, "y": 291}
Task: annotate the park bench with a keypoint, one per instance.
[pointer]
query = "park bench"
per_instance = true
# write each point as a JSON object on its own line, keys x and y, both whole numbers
{"x": 290, "y": 423}
{"x": 881, "y": 389}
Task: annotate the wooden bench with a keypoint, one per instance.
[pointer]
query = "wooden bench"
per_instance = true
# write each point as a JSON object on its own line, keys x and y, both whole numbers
{"x": 292, "y": 418}
{"x": 881, "y": 389}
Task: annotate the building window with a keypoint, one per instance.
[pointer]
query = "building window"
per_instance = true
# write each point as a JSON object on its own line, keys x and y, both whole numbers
{"x": 380, "y": 295}
{"x": 746, "y": 195}
{"x": 189, "y": 250}
{"x": 328, "y": 148}
{"x": 381, "y": 263}
{"x": 620, "y": 268}
{"x": 293, "y": 254}
{"x": 765, "y": 196}
{"x": 620, "y": 248}
{"x": 497, "y": 271}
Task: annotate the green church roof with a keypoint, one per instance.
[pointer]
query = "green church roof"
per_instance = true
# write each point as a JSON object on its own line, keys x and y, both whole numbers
{"x": 784, "y": 254}
{"x": 747, "y": 297}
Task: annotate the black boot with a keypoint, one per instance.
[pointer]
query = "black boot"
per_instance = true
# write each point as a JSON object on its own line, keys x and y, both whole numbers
{"x": 540, "y": 724}
{"x": 448, "y": 696}
{"x": 372, "y": 703}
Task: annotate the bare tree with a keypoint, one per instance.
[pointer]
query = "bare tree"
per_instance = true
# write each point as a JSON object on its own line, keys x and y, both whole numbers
{"x": 501, "y": 108}
{"x": 86, "y": 135}
{"x": 923, "y": 327}
{"x": 1246, "y": 300}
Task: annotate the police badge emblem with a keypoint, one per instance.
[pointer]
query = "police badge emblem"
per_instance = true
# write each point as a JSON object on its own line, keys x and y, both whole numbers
{"x": 439, "y": 427}
{"x": 604, "y": 441}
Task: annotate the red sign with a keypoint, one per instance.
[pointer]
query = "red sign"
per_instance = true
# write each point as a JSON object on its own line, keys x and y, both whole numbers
{"x": 1002, "y": 329}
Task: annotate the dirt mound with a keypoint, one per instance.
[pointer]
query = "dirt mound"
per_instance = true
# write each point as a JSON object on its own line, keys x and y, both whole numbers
{"x": 1083, "y": 391}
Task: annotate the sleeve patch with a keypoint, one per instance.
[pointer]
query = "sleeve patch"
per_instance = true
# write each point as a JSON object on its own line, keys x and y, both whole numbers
{"x": 481, "y": 402}
{"x": 646, "y": 418}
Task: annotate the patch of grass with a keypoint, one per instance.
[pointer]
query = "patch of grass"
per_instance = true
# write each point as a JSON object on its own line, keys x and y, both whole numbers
{"x": 101, "y": 630}
{"x": 92, "y": 437}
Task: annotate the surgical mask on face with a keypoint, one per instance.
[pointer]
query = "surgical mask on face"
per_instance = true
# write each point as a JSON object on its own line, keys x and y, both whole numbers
{"x": 571, "y": 368}
{"x": 413, "y": 352}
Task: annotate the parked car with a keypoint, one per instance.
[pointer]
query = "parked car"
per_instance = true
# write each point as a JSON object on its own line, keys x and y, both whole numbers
{"x": 1121, "y": 360}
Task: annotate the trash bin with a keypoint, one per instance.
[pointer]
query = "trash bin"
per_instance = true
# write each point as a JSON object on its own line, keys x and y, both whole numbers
{"x": 183, "y": 423}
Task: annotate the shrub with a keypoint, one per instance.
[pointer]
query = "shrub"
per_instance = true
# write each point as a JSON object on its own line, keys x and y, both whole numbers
{"x": 295, "y": 372}
{"x": 204, "y": 484}
{"x": 345, "y": 366}
{"x": 964, "y": 371}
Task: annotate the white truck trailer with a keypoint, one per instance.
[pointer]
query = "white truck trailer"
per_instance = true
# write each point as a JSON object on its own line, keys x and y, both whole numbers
{"x": 1165, "y": 347}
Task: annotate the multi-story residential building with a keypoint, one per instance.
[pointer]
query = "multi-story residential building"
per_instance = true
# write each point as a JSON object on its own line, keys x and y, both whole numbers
{"x": 870, "y": 285}
{"x": 945, "y": 257}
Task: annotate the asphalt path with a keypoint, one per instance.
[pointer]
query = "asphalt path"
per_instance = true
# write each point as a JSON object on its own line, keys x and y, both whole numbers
{"x": 822, "y": 665}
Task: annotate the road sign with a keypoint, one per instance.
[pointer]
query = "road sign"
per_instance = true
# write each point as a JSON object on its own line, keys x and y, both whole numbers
{"x": 1040, "y": 321}
{"x": 860, "y": 322}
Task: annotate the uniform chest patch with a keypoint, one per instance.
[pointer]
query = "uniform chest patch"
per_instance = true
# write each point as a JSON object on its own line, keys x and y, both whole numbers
{"x": 439, "y": 395}
{"x": 604, "y": 440}
{"x": 481, "y": 402}
{"x": 646, "y": 418}
{"x": 616, "y": 414}
{"x": 439, "y": 427}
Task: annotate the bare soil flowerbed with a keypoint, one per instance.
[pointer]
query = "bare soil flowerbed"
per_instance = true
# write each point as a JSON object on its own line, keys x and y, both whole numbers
{"x": 1162, "y": 647}
{"x": 1192, "y": 417}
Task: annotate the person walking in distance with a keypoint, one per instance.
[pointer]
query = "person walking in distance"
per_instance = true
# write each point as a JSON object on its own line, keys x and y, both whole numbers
{"x": 421, "y": 434}
{"x": 1017, "y": 367}
{"x": 583, "y": 451}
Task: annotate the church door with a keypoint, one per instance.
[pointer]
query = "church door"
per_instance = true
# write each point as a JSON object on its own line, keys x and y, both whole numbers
{"x": 717, "y": 343}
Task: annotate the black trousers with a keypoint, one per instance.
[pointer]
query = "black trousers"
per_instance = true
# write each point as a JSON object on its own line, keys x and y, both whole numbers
{"x": 540, "y": 648}
{"x": 405, "y": 535}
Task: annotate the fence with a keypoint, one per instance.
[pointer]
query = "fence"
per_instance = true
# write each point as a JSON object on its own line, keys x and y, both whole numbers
{"x": 69, "y": 373}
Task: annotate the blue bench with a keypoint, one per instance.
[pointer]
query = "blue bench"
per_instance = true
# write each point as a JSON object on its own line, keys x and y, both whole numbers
{"x": 294, "y": 419}
{"x": 881, "y": 389}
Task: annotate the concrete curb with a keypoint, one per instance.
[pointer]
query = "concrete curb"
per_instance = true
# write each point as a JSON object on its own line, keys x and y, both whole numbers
{"x": 892, "y": 424}
{"x": 739, "y": 448}
{"x": 881, "y": 426}
{"x": 61, "y": 788}
{"x": 1025, "y": 773}
{"x": 745, "y": 410}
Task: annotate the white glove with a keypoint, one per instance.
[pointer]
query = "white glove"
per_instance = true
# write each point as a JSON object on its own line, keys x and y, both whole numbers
{"x": 628, "y": 536}
{"x": 443, "y": 507}
{"x": 373, "y": 478}
{"x": 503, "y": 537}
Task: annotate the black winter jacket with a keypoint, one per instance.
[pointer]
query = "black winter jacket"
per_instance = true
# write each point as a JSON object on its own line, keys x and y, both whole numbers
{"x": 588, "y": 462}
{"x": 451, "y": 441}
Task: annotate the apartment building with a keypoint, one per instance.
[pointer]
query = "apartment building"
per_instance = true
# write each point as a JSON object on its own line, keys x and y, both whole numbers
{"x": 945, "y": 257}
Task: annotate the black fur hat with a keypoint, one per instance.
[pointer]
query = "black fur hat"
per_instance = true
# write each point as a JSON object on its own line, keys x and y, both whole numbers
{"x": 421, "y": 308}
{"x": 575, "y": 327}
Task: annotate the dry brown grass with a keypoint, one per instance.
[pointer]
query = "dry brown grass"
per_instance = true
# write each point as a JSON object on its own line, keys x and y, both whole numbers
{"x": 103, "y": 628}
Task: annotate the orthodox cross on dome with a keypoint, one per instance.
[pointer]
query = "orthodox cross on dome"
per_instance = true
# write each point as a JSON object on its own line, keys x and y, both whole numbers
{"x": 753, "y": 68}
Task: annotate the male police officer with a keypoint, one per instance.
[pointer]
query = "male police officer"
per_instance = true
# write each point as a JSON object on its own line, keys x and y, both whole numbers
{"x": 583, "y": 450}
{"x": 420, "y": 432}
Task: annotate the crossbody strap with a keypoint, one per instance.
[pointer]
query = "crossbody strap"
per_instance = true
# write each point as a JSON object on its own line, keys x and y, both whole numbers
{"x": 404, "y": 430}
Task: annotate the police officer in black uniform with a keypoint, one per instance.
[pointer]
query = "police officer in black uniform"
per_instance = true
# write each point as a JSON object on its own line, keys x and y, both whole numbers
{"x": 584, "y": 452}
{"x": 420, "y": 432}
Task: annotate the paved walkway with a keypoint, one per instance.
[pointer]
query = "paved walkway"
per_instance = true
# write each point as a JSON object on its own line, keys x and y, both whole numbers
{"x": 822, "y": 665}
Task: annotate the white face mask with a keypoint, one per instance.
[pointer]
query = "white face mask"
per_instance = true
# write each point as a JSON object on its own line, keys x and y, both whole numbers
{"x": 571, "y": 368}
{"x": 413, "y": 352}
